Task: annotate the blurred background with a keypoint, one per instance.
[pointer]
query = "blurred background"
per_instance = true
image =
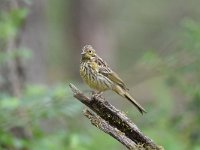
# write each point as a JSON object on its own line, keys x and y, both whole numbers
{"x": 153, "y": 45}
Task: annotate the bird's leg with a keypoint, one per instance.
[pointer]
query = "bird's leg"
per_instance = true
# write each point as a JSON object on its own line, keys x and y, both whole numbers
{"x": 97, "y": 94}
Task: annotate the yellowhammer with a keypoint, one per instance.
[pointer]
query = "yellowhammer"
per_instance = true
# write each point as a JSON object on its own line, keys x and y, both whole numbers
{"x": 98, "y": 75}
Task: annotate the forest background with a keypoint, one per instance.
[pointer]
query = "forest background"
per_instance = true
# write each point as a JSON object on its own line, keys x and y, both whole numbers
{"x": 153, "y": 45}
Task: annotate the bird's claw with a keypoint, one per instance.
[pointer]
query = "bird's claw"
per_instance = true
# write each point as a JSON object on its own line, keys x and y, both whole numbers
{"x": 97, "y": 94}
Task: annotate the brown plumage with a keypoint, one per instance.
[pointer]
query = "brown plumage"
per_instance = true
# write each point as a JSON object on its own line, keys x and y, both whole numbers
{"x": 99, "y": 76}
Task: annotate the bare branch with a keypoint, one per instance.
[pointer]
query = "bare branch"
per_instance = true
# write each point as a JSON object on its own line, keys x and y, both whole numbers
{"x": 114, "y": 132}
{"x": 115, "y": 118}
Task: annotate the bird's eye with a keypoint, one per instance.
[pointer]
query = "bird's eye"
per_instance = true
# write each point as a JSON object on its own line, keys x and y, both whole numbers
{"x": 90, "y": 51}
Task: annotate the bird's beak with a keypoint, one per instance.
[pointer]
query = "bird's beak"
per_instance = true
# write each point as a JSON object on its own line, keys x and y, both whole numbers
{"x": 82, "y": 53}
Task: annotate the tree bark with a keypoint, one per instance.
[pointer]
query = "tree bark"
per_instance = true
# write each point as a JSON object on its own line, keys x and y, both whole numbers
{"x": 107, "y": 128}
{"x": 115, "y": 119}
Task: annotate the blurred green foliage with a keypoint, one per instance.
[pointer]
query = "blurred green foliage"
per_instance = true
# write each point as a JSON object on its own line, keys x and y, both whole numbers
{"x": 50, "y": 120}
{"x": 49, "y": 117}
{"x": 10, "y": 22}
{"x": 177, "y": 125}
{"x": 43, "y": 117}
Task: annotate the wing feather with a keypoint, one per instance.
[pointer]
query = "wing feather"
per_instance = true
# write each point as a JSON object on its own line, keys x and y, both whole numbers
{"x": 106, "y": 71}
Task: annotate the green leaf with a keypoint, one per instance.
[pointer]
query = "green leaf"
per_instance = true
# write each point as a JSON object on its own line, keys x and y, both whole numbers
{"x": 11, "y": 21}
{"x": 9, "y": 103}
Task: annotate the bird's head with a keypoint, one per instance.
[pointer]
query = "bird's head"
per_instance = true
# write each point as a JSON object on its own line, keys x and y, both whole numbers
{"x": 88, "y": 52}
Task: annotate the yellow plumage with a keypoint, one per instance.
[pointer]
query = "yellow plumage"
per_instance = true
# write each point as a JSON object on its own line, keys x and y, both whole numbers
{"x": 97, "y": 74}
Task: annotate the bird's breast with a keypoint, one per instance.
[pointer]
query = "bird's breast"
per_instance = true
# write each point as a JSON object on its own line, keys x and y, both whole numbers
{"x": 94, "y": 79}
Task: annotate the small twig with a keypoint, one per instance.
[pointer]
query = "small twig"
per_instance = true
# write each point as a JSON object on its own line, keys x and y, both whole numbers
{"x": 114, "y": 132}
{"x": 115, "y": 118}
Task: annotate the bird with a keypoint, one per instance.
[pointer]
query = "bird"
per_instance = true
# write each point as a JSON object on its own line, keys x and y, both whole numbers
{"x": 97, "y": 74}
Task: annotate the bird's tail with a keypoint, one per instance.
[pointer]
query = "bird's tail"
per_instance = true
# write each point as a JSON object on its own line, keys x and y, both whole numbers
{"x": 139, "y": 107}
{"x": 125, "y": 94}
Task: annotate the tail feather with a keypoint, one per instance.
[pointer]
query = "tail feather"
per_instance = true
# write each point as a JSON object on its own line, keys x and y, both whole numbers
{"x": 125, "y": 94}
{"x": 138, "y": 106}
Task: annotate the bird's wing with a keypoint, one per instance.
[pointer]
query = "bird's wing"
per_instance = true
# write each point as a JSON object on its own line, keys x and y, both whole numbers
{"x": 106, "y": 71}
{"x": 112, "y": 76}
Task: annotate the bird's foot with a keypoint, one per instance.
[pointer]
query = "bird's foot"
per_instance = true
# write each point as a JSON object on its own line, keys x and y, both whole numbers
{"x": 97, "y": 94}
